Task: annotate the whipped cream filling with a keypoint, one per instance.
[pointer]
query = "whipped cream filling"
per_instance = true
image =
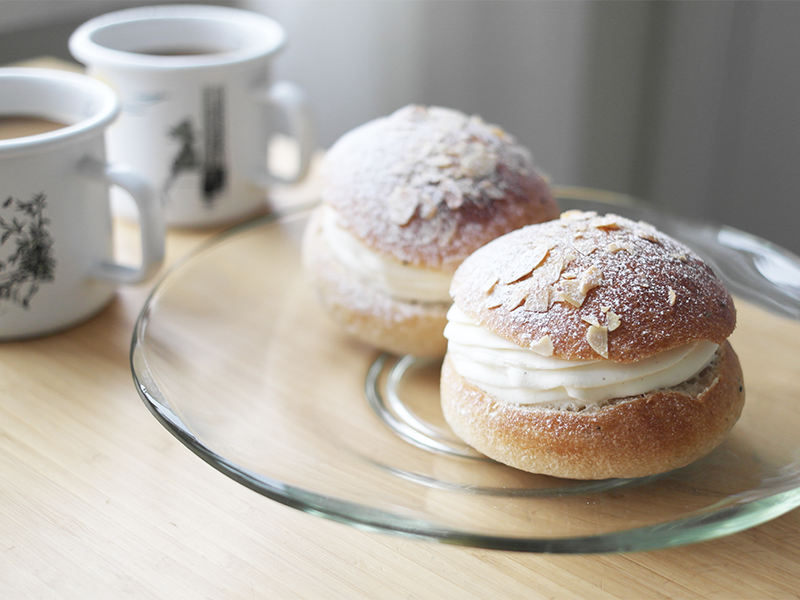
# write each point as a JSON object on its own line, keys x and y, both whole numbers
{"x": 400, "y": 281}
{"x": 518, "y": 375}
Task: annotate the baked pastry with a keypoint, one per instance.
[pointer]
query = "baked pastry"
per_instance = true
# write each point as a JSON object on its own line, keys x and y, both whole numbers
{"x": 590, "y": 347}
{"x": 405, "y": 199}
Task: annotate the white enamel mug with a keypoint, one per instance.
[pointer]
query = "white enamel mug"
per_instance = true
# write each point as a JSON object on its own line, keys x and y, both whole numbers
{"x": 199, "y": 105}
{"x": 56, "y": 248}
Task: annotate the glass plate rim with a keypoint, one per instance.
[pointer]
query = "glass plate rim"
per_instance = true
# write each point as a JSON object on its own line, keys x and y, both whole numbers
{"x": 728, "y": 516}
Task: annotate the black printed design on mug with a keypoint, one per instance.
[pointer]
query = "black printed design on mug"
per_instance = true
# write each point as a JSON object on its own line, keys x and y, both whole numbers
{"x": 210, "y": 161}
{"x": 31, "y": 263}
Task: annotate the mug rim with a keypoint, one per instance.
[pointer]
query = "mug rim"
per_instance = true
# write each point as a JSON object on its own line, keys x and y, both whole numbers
{"x": 108, "y": 107}
{"x": 86, "y": 49}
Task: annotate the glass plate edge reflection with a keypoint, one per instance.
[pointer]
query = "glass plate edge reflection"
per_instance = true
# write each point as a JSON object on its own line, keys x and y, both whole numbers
{"x": 706, "y": 524}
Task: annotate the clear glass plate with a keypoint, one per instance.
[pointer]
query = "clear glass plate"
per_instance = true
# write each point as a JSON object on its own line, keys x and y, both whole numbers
{"x": 234, "y": 356}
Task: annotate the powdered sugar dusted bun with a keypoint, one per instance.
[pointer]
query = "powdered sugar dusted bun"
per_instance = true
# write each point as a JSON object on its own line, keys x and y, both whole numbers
{"x": 428, "y": 186}
{"x": 590, "y": 347}
{"x": 405, "y": 199}
{"x": 594, "y": 287}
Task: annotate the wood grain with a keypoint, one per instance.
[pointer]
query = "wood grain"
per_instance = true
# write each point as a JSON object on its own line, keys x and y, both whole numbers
{"x": 97, "y": 500}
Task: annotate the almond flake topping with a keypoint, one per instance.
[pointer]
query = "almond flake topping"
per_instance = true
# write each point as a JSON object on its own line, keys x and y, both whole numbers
{"x": 490, "y": 283}
{"x": 577, "y": 215}
{"x": 613, "y": 320}
{"x": 672, "y": 297}
{"x": 615, "y": 247}
{"x": 539, "y": 300}
{"x": 427, "y": 207}
{"x": 478, "y": 161}
{"x": 452, "y": 194}
{"x": 515, "y": 297}
{"x": 591, "y": 320}
{"x": 495, "y": 301}
{"x": 543, "y": 346}
{"x": 573, "y": 290}
{"x": 598, "y": 339}
{"x": 530, "y": 260}
{"x": 551, "y": 270}
{"x": 570, "y": 293}
{"x": 402, "y": 205}
{"x": 440, "y": 161}
{"x": 646, "y": 234}
{"x": 585, "y": 247}
{"x": 590, "y": 279}
{"x": 608, "y": 222}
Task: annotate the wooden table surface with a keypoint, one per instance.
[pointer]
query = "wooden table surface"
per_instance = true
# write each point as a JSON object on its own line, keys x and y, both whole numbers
{"x": 98, "y": 500}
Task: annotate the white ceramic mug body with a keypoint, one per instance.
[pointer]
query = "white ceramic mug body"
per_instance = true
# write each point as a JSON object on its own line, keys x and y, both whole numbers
{"x": 56, "y": 256}
{"x": 198, "y": 125}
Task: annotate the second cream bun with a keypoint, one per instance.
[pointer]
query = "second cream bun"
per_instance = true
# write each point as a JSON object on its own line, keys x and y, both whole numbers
{"x": 598, "y": 302}
{"x": 410, "y": 196}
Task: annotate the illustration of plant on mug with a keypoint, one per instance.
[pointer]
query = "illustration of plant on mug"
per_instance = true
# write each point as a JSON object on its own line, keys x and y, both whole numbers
{"x": 211, "y": 161}
{"x": 31, "y": 263}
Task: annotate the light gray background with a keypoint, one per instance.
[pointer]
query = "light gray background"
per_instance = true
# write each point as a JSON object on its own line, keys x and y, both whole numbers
{"x": 694, "y": 106}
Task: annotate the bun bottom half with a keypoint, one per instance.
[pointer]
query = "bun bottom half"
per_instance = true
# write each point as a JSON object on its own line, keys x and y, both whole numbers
{"x": 367, "y": 314}
{"x": 630, "y": 437}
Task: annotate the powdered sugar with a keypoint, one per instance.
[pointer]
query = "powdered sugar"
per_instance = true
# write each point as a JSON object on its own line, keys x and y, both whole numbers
{"x": 429, "y": 185}
{"x": 637, "y": 293}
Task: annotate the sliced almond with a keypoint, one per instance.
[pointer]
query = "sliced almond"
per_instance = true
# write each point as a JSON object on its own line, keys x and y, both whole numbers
{"x": 569, "y": 291}
{"x": 495, "y": 301}
{"x": 551, "y": 270}
{"x": 591, "y": 320}
{"x": 613, "y": 320}
{"x": 608, "y": 223}
{"x": 440, "y": 161}
{"x": 590, "y": 279}
{"x": 543, "y": 346}
{"x": 531, "y": 259}
{"x": 585, "y": 247}
{"x": 515, "y": 297}
{"x": 402, "y": 205}
{"x": 453, "y": 196}
{"x": 427, "y": 207}
{"x": 615, "y": 247}
{"x": 539, "y": 300}
{"x": 672, "y": 297}
{"x": 646, "y": 232}
{"x": 490, "y": 283}
{"x": 478, "y": 161}
{"x": 598, "y": 339}
{"x": 577, "y": 215}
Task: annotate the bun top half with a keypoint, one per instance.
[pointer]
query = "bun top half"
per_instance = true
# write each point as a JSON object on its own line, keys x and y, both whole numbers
{"x": 587, "y": 286}
{"x": 429, "y": 185}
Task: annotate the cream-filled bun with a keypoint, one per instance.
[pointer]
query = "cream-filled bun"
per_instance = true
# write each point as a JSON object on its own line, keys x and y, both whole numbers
{"x": 590, "y": 347}
{"x": 405, "y": 199}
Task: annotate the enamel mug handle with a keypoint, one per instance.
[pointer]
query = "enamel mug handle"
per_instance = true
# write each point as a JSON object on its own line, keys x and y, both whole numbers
{"x": 290, "y": 100}
{"x": 151, "y": 221}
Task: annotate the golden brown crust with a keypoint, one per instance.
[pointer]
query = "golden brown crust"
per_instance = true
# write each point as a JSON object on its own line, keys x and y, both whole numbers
{"x": 367, "y": 314}
{"x": 596, "y": 286}
{"x": 428, "y": 186}
{"x": 632, "y": 437}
